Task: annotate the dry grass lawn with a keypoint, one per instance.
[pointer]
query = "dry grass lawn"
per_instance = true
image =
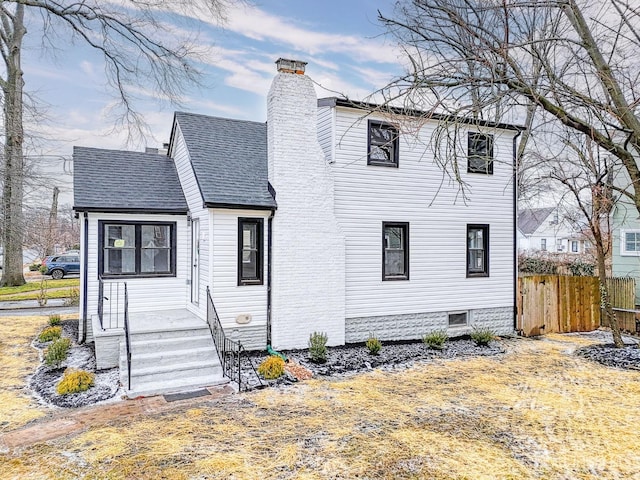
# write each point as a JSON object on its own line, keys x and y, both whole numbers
{"x": 18, "y": 360}
{"x": 537, "y": 412}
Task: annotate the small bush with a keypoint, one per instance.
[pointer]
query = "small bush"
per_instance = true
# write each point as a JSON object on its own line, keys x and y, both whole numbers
{"x": 50, "y": 333}
{"x": 57, "y": 352}
{"x": 34, "y": 267}
{"x": 436, "y": 339}
{"x": 538, "y": 266}
{"x": 318, "y": 347}
{"x": 373, "y": 345}
{"x": 75, "y": 381}
{"x": 54, "y": 320}
{"x": 272, "y": 367}
{"x": 42, "y": 295}
{"x": 581, "y": 269}
{"x": 43, "y": 269}
{"x": 73, "y": 299}
{"x": 482, "y": 336}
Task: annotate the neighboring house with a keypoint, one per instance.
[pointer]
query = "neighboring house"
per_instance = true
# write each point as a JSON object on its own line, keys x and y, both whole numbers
{"x": 325, "y": 218}
{"x": 625, "y": 258}
{"x": 544, "y": 229}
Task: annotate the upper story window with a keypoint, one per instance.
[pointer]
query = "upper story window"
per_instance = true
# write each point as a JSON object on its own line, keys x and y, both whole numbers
{"x": 395, "y": 251}
{"x": 477, "y": 250}
{"x": 480, "y": 153}
{"x": 630, "y": 243}
{"x": 250, "y": 248}
{"x": 543, "y": 244}
{"x": 137, "y": 249}
{"x": 383, "y": 145}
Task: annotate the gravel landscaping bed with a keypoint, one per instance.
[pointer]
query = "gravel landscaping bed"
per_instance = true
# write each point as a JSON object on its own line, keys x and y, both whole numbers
{"x": 44, "y": 381}
{"x": 341, "y": 361}
{"x": 355, "y": 358}
{"x": 606, "y": 354}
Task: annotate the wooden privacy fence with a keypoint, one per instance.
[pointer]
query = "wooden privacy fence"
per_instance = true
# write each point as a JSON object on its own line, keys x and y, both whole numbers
{"x": 554, "y": 303}
{"x": 563, "y": 304}
{"x": 622, "y": 294}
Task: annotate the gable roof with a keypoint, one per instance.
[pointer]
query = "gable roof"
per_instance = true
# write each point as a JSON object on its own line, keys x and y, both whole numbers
{"x": 530, "y": 219}
{"x": 229, "y": 159}
{"x": 123, "y": 181}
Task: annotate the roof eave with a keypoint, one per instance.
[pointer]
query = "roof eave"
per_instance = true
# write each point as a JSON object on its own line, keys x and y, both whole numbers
{"x": 372, "y": 107}
{"x": 132, "y": 210}
{"x": 238, "y": 206}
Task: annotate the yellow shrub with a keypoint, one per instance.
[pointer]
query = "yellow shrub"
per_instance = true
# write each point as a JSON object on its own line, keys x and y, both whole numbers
{"x": 50, "y": 333}
{"x": 74, "y": 381}
{"x": 271, "y": 368}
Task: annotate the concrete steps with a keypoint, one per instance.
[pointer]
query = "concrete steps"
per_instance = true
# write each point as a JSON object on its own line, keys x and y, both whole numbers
{"x": 170, "y": 360}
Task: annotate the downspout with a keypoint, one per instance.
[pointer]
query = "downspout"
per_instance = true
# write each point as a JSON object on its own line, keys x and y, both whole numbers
{"x": 85, "y": 259}
{"x": 269, "y": 230}
{"x": 515, "y": 232}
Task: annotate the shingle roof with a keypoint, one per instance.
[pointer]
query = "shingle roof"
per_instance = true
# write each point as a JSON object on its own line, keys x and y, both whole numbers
{"x": 122, "y": 181}
{"x": 530, "y": 219}
{"x": 229, "y": 159}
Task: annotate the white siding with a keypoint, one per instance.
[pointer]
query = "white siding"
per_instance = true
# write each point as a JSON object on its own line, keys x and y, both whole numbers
{"x": 419, "y": 193}
{"x": 326, "y": 130}
{"x": 195, "y": 202}
{"x": 145, "y": 294}
{"x": 230, "y": 298}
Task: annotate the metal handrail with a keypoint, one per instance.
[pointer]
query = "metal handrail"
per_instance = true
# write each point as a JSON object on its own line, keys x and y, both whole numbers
{"x": 100, "y": 300}
{"x": 127, "y": 335}
{"x": 111, "y": 292}
{"x": 229, "y": 351}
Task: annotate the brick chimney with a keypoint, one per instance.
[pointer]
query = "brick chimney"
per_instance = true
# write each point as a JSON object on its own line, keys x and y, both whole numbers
{"x": 290, "y": 66}
{"x": 308, "y": 259}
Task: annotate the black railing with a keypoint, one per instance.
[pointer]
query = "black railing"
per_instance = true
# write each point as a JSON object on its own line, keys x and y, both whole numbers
{"x": 117, "y": 297}
{"x": 229, "y": 351}
{"x": 127, "y": 335}
{"x": 113, "y": 294}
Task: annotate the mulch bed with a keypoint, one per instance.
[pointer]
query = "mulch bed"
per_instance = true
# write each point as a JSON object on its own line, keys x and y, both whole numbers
{"x": 45, "y": 379}
{"x": 355, "y": 358}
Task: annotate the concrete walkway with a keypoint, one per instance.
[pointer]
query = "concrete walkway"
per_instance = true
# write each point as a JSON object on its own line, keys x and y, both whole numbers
{"x": 67, "y": 422}
{"x": 57, "y": 303}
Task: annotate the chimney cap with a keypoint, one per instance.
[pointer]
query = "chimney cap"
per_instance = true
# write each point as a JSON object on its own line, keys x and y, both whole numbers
{"x": 286, "y": 65}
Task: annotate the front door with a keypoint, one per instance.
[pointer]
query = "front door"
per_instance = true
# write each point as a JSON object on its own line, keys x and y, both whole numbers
{"x": 195, "y": 260}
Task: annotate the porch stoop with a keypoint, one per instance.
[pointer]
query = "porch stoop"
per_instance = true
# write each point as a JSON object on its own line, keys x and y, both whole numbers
{"x": 168, "y": 359}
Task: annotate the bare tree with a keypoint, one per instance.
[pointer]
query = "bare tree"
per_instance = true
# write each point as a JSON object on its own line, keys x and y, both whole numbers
{"x": 588, "y": 177}
{"x": 43, "y": 237}
{"x": 575, "y": 60}
{"x": 139, "y": 48}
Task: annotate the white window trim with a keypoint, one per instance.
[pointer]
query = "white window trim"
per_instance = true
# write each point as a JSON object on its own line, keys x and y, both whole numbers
{"x": 623, "y": 243}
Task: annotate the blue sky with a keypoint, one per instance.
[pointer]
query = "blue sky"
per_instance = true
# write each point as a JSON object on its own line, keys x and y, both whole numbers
{"x": 341, "y": 40}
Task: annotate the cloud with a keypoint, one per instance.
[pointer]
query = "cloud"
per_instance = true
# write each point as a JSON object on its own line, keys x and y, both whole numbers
{"x": 259, "y": 25}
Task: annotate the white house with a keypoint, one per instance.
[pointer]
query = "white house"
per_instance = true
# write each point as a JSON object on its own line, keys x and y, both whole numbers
{"x": 327, "y": 218}
{"x": 545, "y": 229}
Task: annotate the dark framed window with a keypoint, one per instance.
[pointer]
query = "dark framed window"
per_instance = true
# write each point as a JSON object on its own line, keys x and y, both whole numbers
{"x": 137, "y": 249}
{"x": 543, "y": 244}
{"x": 250, "y": 251}
{"x": 480, "y": 153}
{"x": 382, "y": 148}
{"x": 477, "y": 250}
{"x": 395, "y": 251}
{"x": 458, "y": 319}
{"x": 574, "y": 246}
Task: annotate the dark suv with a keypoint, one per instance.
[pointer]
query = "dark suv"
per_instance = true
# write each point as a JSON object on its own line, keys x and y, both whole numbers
{"x": 62, "y": 265}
